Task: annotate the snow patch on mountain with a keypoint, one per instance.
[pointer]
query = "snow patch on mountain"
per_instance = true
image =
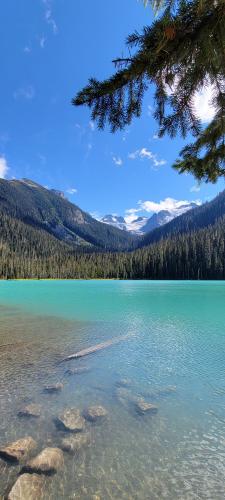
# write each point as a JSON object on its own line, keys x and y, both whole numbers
{"x": 142, "y": 224}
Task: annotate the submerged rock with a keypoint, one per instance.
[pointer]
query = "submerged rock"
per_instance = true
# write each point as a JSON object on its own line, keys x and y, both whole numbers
{"x": 74, "y": 443}
{"x": 77, "y": 371}
{"x": 124, "y": 382}
{"x": 94, "y": 413}
{"x": 164, "y": 391}
{"x": 71, "y": 420}
{"x": 18, "y": 450}
{"x": 31, "y": 410}
{"x": 143, "y": 407}
{"x": 53, "y": 388}
{"x": 48, "y": 461}
{"x": 28, "y": 487}
{"x": 130, "y": 400}
{"x": 159, "y": 392}
{"x": 125, "y": 396}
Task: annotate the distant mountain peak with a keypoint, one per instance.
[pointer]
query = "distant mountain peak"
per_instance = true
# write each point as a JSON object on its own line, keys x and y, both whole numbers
{"x": 142, "y": 224}
{"x": 48, "y": 210}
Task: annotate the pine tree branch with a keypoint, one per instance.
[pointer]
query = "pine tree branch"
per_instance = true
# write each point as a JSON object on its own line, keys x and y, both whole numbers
{"x": 179, "y": 53}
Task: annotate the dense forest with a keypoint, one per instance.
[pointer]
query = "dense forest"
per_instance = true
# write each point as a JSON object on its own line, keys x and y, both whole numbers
{"x": 31, "y": 253}
{"x": 192, "y": 246}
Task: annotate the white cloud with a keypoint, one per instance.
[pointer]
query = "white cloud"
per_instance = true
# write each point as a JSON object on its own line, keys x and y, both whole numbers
{"x": 150, "y": 110}
{"x": 71, "y": 191}
{"x": 92, "y": 125}
{"x": 27, "y": 49}
{"x": 169, "y": 204}
{"x": 145, "y": 154}
{"x": 42, "y": 41}
{"x": 4, "y": 168}
{"x": 195, "y": 189}
{"x": 131, "y": 214}
{"x": 51, "y": 21}
{"x": 96, "y": 215}
{"x": 27, "y": 92}
{"x": 49, "y": 17}
{"x": 117, "y": 160}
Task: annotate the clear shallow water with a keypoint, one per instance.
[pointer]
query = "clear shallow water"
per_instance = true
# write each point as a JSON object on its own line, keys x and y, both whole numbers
{"x": 177, "y": 339}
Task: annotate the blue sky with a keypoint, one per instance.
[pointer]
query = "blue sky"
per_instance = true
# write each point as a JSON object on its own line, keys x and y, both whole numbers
{"x": 48, "y": 50}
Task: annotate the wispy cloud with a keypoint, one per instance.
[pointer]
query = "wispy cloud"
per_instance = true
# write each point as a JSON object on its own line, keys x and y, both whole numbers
{"x": 92, "y": 126}
{"x": 49, "y": 16}
{"x": 42, "y": 41}
{"x": 117, "y": 160}
{"x": 27, "y": 49}
{"x": 85, "y": 134}
{"x": 195, "y": 189}
{"x": 96, "y": 215}
{"x": 131, "y": 214}
{"x": 145, "y": 154}
{"x": 150, "y": 110}
{"x": 4, "y": 168}
{"x": 71, "y": 191}
{"x": 27, "y": 92}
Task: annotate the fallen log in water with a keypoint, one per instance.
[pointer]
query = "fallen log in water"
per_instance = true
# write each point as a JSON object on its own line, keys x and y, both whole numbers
{"x": 95, "y": 348}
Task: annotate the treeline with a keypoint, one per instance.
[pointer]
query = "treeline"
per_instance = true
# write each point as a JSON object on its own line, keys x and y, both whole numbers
{"x": 30, "y": 253}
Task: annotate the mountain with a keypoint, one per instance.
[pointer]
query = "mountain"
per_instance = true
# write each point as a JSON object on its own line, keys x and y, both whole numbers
{"x": 115, "y": 221}
{"x": 142, "y": 225}
{"x": 199, "y": 217}
{"x": 50, "y": 211}
{"x": 192, "y": 246}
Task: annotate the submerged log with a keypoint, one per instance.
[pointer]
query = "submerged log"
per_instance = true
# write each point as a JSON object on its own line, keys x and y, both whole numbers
{"x": 95, "y": 348}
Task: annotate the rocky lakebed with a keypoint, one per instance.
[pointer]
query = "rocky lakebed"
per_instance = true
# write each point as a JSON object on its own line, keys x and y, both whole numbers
{"x": 30, "y": 468}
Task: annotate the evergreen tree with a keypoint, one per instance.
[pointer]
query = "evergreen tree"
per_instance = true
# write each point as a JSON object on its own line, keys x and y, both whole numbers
{"x": 182, "y": 51}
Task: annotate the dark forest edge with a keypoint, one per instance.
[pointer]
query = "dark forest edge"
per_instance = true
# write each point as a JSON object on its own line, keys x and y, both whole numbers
{"x": 197, "y": 255}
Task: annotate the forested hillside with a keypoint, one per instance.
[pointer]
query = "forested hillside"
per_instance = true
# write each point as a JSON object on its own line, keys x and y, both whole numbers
{"x": 30, "y": 253}
{"x": 192, "y": 220}
{"x": 192, "y": 246}
{"x": 46, "y": 209}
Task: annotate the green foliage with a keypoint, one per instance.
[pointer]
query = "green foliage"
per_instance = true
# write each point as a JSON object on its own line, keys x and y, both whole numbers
{"x": 183, "y": 50}
{"x": 190, "y": 247}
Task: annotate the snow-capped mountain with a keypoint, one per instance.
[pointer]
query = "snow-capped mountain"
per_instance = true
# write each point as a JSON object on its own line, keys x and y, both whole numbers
{"x": 142, "y": 225}
{"x": 115, "y": 220}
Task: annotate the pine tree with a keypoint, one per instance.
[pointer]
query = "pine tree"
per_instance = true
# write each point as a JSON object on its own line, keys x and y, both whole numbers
{"x": 180, "y": 53}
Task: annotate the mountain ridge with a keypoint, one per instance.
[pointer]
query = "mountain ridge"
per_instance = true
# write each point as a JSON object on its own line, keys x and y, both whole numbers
{"x": 192, "y": 246}
{"x": 142, "y": 224}
{"x": 40, "y": 207}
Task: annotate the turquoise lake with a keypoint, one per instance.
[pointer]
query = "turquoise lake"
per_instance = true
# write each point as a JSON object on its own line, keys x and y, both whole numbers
{"x": 173, "y": 357}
